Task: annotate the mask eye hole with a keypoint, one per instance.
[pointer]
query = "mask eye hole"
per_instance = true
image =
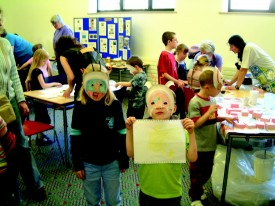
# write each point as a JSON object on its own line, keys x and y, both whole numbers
{"x": 152, "y": 103}
{"x": 165, "y": 103}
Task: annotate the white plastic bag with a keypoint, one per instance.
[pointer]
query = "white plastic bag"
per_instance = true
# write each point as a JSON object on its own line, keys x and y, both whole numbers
{"x": 242, "y": 187}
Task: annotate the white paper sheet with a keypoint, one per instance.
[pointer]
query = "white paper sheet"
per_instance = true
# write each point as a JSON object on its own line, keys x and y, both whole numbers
{"x": 159, "y": 141}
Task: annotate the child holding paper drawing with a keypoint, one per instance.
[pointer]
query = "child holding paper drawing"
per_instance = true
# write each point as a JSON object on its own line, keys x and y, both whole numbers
{"x": 161, "y": 183}
{"x": 136, "y": 99}
{"x": 98, "y": 138}
{"x": 202, "y": 110}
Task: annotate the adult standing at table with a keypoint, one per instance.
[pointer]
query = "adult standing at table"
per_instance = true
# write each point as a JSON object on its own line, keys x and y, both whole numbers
{"x": 61, "y": 29}
{"x": 251, "y": 57}
{"x": 22, "y": 49}
{"x": 208, "y": 47}
{"x": 27, "y": 164}
{"x": 74, "y": 58}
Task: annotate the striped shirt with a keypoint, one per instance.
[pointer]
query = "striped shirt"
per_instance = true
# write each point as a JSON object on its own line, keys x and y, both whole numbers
{"x": 15, "y": 87}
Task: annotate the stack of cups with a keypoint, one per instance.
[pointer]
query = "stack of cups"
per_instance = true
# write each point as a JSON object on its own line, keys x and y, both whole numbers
{"x": 253, "y": 97}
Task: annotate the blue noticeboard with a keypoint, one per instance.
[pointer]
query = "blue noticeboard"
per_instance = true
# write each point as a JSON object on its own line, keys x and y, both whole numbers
{"x": 110, "y": 36}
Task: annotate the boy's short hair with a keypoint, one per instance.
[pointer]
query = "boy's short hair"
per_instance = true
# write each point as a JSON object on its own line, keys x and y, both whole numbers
{"x": 211, "y": 76}
{"x": 135, "y": 60}
{"x": 168, "y": 35}
{"x": 182, "y": 48}
{"x": 206, "y": 77}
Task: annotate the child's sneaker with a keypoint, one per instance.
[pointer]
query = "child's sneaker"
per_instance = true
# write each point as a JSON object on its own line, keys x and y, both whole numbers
{"x": 43, "y": 140}
{"x": 196, "y": 203}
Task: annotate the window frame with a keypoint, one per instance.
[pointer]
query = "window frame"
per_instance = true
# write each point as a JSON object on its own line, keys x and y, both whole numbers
{"x": 270, "y": 10}
{"x": 150, "y": 4}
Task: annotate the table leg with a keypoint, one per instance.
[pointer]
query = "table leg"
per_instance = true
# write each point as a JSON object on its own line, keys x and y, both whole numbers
{"x": 119, "y": 75}
{"x": 226, "y": 169}
{"x": 67, "y": 159}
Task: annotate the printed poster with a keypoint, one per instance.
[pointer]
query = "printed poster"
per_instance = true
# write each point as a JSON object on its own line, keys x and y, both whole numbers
{"x": 120, "y": 25}
{"x": 92, "y": 24}
{"x": 103, "y": 45}
{"x": 128, "y": 27}
{"x": 111, "y": 31}
{"x": 84, "y": 37}
{"x": 78, "y": 25}
{"x": 102, "y": 29}
{"x": 113, "y": 47}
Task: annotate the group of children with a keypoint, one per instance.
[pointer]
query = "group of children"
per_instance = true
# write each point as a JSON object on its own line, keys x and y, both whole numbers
{"x": 101, "y": 158}
{"x": 98, "y": 109}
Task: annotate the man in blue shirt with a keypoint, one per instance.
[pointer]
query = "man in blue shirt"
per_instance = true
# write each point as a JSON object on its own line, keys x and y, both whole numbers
{"x": 22, "y": 49}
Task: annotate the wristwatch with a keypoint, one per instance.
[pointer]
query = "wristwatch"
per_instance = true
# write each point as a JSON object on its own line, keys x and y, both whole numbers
{"x": 236, "y": 87}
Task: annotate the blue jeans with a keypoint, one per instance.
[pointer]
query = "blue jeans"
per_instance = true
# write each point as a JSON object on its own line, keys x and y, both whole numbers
{"x": 27, "y": 165}
{"x": 107, "y": 176}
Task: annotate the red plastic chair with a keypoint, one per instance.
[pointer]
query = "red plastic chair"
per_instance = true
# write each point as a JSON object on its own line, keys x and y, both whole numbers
{"x": 31, "y": 128}
{"x": 188, "y": 95}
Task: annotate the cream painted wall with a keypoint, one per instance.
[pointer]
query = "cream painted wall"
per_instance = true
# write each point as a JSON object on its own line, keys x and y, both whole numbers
{"x": 193, "y": 21}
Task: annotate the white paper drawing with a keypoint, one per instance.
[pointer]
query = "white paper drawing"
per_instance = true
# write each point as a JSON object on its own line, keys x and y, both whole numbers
{"x": 159, "y": 141}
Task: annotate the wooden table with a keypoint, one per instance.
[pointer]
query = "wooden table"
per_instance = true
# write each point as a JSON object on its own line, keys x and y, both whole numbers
{"x": 238, "y": 94}
{"x": 230, "y": 135}
{"x": 54, "y": 97}
{"x": 124, "y": 68}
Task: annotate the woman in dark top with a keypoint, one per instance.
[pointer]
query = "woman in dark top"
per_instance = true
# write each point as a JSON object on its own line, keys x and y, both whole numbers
{"x": 74, "y": 59}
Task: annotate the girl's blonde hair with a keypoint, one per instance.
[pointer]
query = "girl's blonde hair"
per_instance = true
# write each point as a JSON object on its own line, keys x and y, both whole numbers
{"x": 109, "y": 97}
{"x": 40, "y": 57}
{"x": 202, "y": 61}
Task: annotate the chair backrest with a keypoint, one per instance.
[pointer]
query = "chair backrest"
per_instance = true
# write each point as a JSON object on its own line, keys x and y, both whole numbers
{"x": 188, "y": 95}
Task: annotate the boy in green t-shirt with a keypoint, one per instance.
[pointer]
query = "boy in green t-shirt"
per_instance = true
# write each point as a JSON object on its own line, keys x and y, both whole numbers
{"x": 161, "y": 184}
